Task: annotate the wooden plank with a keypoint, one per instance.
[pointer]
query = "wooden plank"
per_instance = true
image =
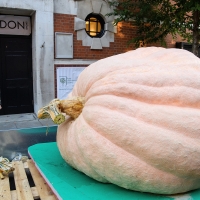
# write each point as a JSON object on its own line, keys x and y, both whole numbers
{"x": 13, "y": 194}
{"x": 5, "y": 189}
{"x": 33, "y": 190}
{"x": 25, "y": 165}
{"x": 21, "y": 182}
{"x": 23, "y": 188}
{"x": 35, "y": 193}
{"x": 43, "y": 189}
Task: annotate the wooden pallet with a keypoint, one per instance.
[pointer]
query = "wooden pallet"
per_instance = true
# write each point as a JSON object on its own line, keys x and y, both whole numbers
{"x": 23, "y": 190}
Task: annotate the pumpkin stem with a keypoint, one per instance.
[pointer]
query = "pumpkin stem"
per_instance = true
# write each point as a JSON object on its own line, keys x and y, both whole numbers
{"x": 57, "y": 109}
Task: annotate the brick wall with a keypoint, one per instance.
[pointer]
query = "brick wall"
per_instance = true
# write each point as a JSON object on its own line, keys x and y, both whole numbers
{"x": 65, "y": 23}
{"x": 171, "y": 42}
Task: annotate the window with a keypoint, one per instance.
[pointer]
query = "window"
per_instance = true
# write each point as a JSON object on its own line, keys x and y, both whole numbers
{"x": 94, "y": 25}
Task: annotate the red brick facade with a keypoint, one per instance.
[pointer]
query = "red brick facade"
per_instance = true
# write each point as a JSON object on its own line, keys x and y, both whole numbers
{"x": 65, "y": 23}
{"x": 171, "y": 43}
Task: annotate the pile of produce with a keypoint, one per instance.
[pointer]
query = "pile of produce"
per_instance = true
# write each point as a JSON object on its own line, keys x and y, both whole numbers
{"x": 5, "y": 167}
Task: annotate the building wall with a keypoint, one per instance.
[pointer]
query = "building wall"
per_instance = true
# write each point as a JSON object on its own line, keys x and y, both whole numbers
{"x": 41, "y": 12}
{"x": 125, "y": 32}
{"x": 65, "y": 7}
{"x": 171, "y": 42}
{"x": 67, "y": 16}
{"x": 65, "y": 23}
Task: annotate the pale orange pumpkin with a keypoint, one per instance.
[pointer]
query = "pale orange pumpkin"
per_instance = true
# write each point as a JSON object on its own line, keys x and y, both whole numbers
{"x": 140, "y": 124}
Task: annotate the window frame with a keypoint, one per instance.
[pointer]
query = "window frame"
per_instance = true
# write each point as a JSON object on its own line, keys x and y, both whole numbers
{"x": 99, "y": 20}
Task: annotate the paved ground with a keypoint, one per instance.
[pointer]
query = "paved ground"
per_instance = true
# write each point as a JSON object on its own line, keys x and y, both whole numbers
{"x": 26, "y": 120}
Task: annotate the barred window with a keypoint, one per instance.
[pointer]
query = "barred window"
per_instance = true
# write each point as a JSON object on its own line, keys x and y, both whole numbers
{"x": 94, "y": 25}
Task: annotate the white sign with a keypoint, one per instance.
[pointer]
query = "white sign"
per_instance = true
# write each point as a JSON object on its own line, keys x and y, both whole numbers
{"x": 66, "y": 78}
{"x": 15, "y": 25}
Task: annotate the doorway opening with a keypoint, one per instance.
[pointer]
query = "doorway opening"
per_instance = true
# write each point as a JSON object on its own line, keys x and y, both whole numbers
{"x": 16, "y": 81}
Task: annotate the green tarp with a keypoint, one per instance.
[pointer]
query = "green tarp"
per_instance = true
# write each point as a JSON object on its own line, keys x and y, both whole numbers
{"x": 70, "y": 184}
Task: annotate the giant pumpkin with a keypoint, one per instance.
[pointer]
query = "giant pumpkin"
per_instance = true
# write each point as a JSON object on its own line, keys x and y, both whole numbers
{"x": 134, "y": 121}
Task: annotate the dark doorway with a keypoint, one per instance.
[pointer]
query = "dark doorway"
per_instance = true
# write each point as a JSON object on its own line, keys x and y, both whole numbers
{"x": 16, "y": 84}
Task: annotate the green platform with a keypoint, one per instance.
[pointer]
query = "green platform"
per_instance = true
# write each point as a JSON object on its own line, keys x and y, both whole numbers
{"x": 69, "y": 184}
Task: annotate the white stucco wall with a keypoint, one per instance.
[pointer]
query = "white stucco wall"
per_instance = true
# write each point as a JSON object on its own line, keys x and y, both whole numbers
{"x": 42, "y": 46}
{"x": 102, "y": 8}
{"x": 65, "y": 7}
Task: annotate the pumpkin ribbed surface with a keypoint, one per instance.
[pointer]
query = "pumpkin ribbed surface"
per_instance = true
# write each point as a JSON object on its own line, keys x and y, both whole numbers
{"x": 140, "y": 125}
